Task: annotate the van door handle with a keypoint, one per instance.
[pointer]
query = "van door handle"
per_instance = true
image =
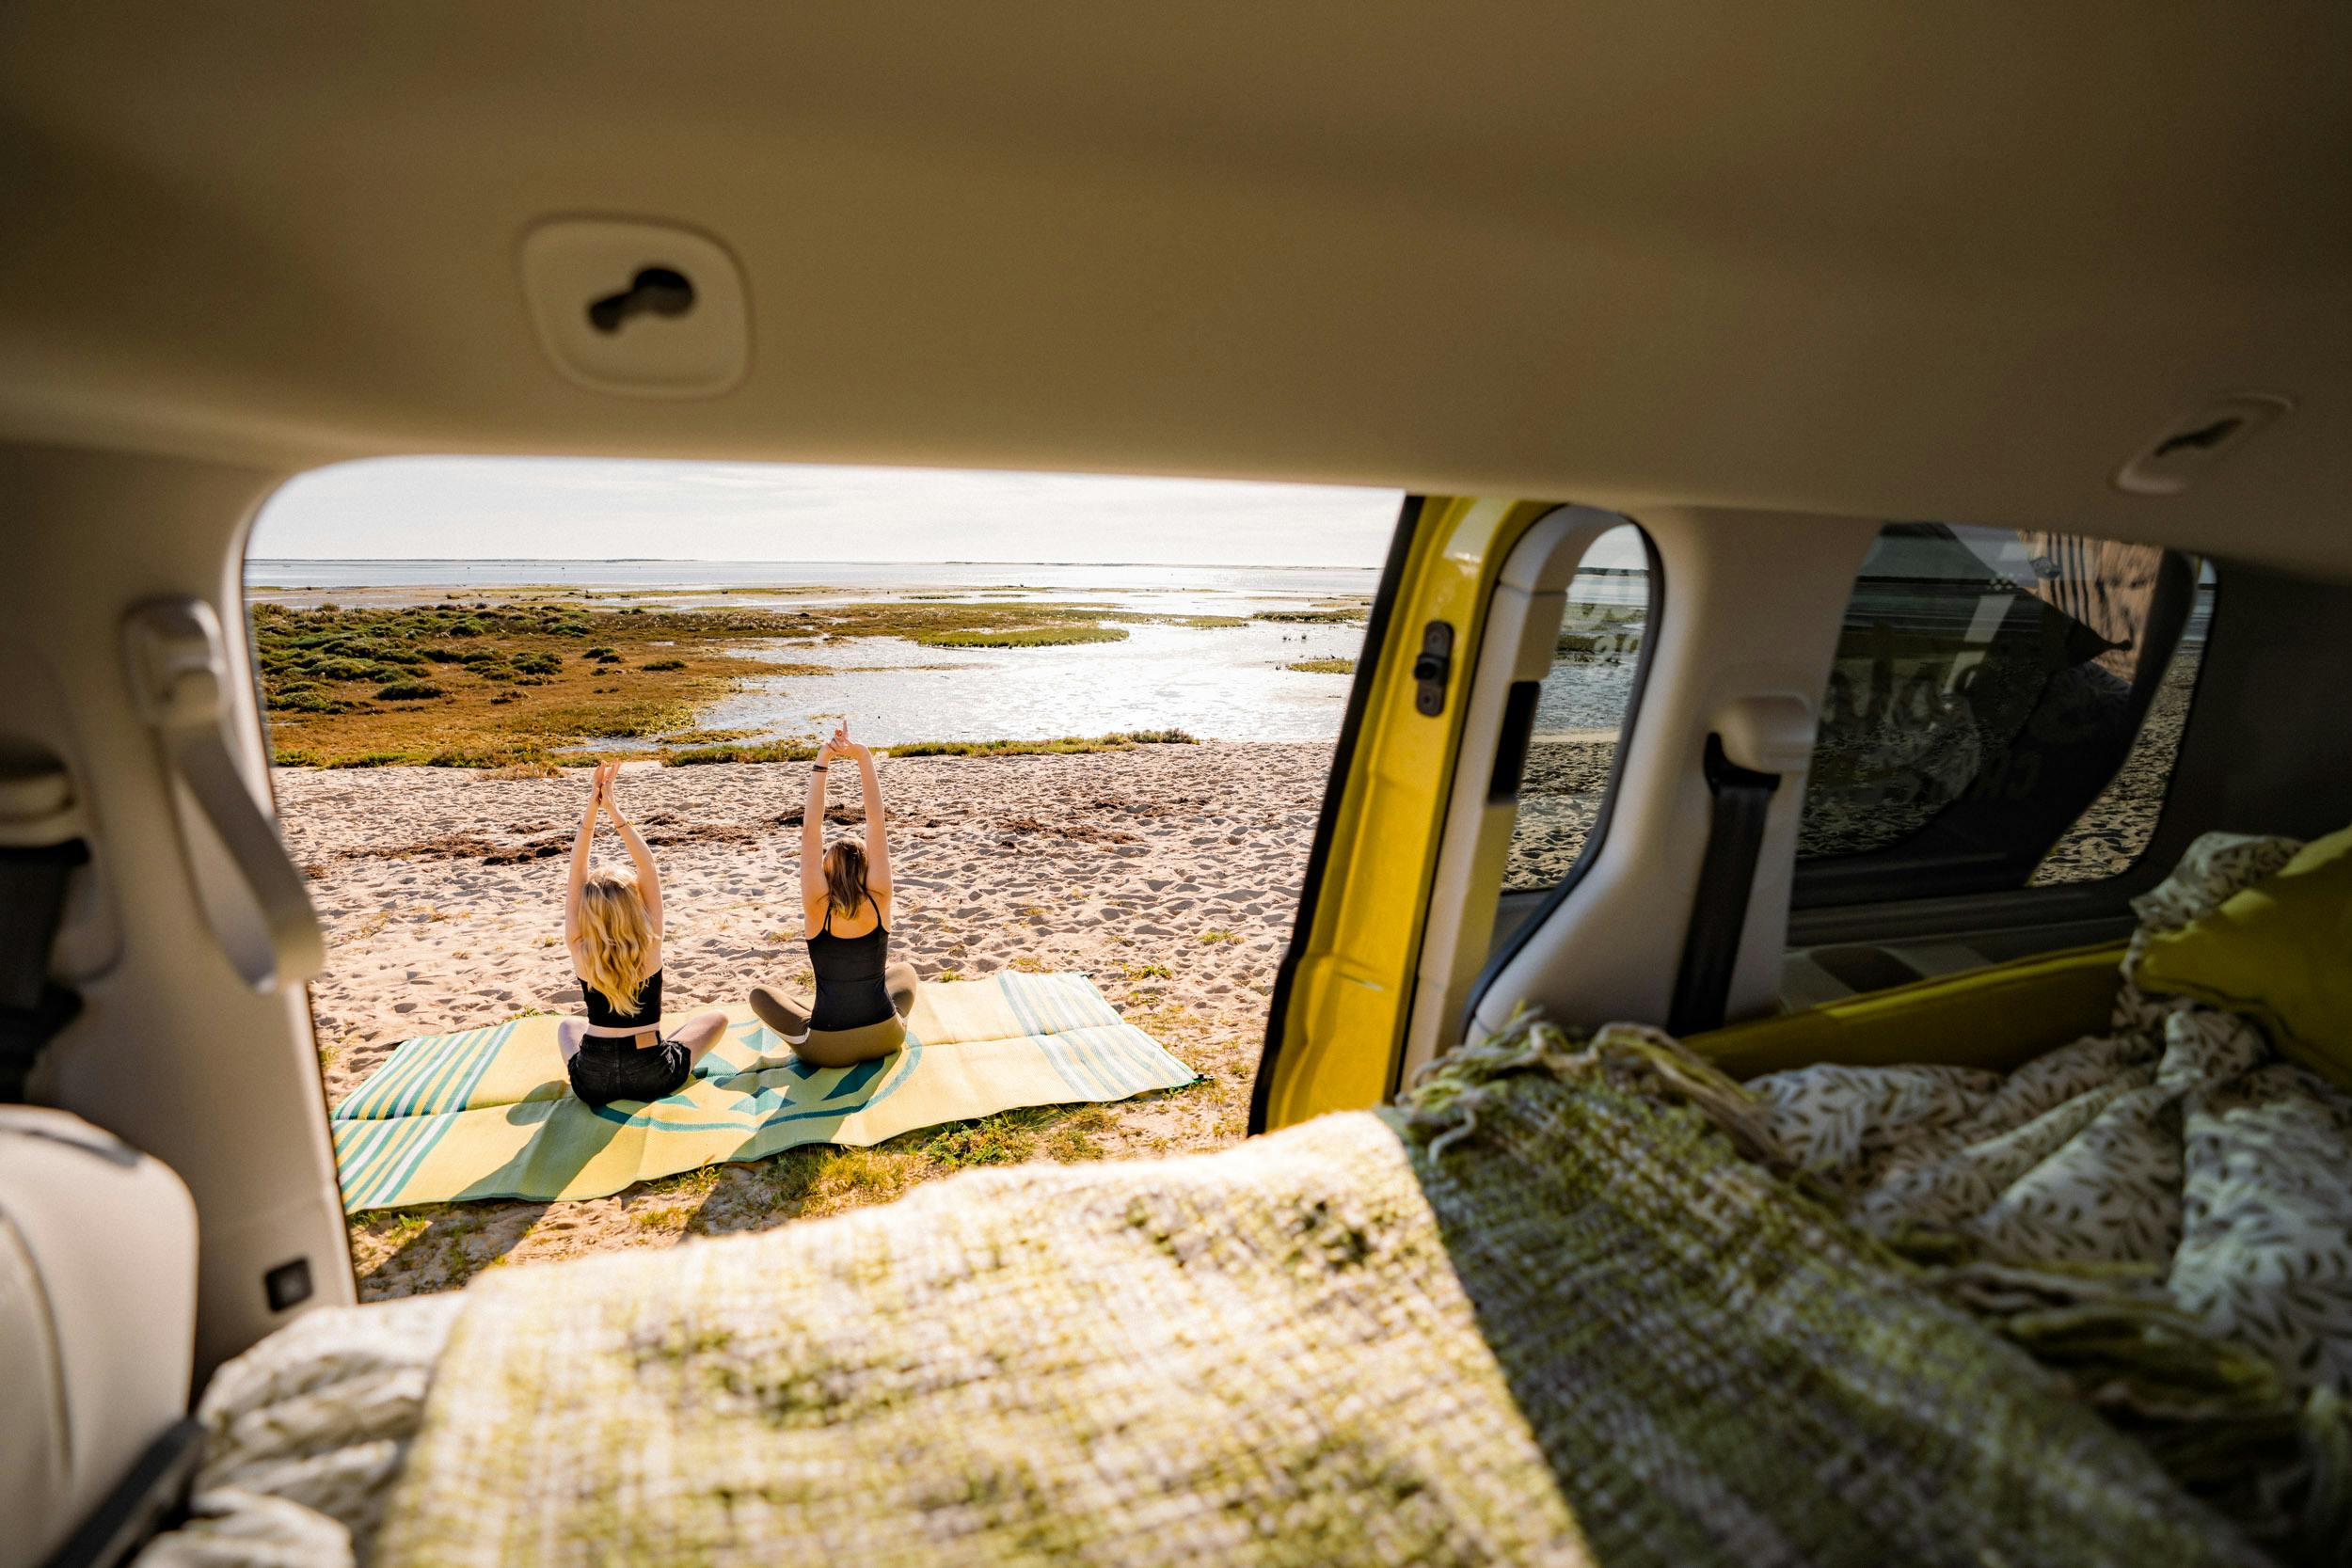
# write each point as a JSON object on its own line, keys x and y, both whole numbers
{"x": 1433, "y": 667}
{"x": 178, "y": 672}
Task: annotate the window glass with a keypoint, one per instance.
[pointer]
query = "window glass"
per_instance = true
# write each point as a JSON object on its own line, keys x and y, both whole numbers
{"x": 2115, "y": 828}
{"x": 1581, "y": 710}
{"x": 2004, "y": 706}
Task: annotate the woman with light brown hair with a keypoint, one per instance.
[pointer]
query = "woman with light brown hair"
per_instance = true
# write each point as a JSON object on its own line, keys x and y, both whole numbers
{"x": 612, "y": 927}
{"x": 862, "y": 997}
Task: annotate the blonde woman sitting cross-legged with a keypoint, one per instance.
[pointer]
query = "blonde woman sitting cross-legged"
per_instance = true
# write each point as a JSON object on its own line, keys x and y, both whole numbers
{"x": 861, "y": 998}
{"x": 613, "y": 925}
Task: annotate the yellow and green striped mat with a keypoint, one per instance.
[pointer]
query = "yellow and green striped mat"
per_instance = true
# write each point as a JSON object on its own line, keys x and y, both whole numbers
{"x": 488, "y": 1112}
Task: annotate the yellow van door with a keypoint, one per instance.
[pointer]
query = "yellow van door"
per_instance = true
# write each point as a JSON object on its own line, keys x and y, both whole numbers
{"x": 1336, "y": 1032}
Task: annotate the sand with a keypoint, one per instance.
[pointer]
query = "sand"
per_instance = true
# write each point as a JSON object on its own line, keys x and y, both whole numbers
{"x": 1168, "y": 874}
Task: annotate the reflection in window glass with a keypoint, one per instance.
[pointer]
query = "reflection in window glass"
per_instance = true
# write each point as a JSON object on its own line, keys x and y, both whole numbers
{"x": 2116, "y": 828}
{"x": 1581, "y": 710}
{"x": 2001, "y": 696}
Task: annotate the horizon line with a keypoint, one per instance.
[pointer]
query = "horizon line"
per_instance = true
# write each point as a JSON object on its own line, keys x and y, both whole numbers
{"x": 755, "y": 561}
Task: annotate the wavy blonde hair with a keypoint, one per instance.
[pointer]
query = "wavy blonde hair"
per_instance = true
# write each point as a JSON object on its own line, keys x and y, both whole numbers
{"x": 615, "y": 938}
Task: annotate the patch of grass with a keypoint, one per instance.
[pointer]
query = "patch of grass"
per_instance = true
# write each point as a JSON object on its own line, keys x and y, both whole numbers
{"x": 1029, "y": 965}
{"x": 1324, "y": 666}
{"x": 1071, "y": 1138}
{"x": 410, "y": 691}
{"x": 1217, "y": 936}
{"x": 1022, "y": 636}
{"x": 308, "y": 697}
{"x": 992, "y": 1141}
{"x": 631, "y": 720}
{"x": 773, "y": 750}
{"x": 1149, "y": 972}
{"x": 1310, "y": 617}
{"x": 704, "y": 738}
{"x": 660, "y": 665}
{"x": 1125, "y": 740}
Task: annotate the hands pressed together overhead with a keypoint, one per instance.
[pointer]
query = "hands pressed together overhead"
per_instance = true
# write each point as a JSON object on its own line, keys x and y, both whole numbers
{"x": 838, "y": 744}
{"x": 600, "y": 789}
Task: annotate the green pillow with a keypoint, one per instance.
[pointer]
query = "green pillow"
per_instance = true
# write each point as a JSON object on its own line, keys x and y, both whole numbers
{"x": 2280, "y": 952}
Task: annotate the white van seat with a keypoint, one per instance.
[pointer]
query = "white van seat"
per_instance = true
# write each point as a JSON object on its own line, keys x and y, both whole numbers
{"x": 97, "y": 1321}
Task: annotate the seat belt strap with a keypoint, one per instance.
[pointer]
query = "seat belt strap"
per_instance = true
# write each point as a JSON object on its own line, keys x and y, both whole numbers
{"x": 32, "y": 1008}
{"x": 1719, "y": 909}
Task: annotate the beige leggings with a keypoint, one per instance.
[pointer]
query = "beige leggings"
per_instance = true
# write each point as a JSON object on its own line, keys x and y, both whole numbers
{"x": 788, "y": 1017}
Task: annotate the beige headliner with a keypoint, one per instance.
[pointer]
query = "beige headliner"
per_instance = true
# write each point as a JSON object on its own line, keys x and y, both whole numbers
{"x": 1951, "y": 261}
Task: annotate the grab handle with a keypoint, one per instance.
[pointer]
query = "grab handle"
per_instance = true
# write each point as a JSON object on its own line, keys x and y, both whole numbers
{"x": 179, "y": 674}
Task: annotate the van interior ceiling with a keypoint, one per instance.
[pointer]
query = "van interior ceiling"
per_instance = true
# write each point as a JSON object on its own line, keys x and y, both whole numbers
{"x": 1759, "y": 287}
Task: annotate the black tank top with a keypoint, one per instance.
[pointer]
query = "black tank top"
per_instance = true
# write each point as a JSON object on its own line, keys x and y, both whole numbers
{"x": 602, "y": 1014}
{"x": 849, "y": 990}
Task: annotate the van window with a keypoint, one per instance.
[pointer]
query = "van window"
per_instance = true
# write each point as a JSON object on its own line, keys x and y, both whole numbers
{"x": 2003, "y": 710}
{"x": 1581, "y": 710}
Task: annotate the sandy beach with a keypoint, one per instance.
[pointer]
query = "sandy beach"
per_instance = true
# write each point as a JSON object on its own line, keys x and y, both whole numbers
{"x": 1168, "y": 874}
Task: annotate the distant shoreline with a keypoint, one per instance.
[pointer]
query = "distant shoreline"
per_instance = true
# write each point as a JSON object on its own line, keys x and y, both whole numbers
{"x": 802, "y": 565}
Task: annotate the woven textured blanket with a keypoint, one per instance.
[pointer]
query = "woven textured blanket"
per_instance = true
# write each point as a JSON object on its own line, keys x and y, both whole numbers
{"x": 1545, "y": 1313}
{"x": 2175, "y": 1155}
{"x": 488, "y": 1112}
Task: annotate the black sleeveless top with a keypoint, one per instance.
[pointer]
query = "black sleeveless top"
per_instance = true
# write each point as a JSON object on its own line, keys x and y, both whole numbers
{"x": 849, "y": 990}
{"x": 602, "y": 1014}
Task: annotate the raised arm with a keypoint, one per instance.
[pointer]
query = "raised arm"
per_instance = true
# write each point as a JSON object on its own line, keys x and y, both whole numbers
{"x": 648, "y": 880}
{"x": 581, "y": 850}
{"x": 877, "y": 830}
{"x": 813, "y": 835}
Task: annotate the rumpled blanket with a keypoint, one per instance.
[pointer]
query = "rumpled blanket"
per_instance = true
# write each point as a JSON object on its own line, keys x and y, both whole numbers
{"x": 1554, "y": 1309}
{"x": 304, "y": 1435}
{"x": 2177, "y": 1150}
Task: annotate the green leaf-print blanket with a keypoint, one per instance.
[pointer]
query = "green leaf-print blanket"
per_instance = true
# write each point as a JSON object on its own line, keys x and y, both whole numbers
{"x": 2177, "y": 1150}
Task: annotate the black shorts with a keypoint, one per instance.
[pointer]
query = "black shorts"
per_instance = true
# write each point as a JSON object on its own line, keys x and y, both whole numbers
{"x": 605, "y": 1070}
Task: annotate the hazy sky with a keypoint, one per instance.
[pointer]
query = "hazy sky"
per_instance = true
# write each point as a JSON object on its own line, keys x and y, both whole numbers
{"x": 598, "y": 508}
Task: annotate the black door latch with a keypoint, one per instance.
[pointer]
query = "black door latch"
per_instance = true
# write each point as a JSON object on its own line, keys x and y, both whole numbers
{"x": 1433, "y": 667}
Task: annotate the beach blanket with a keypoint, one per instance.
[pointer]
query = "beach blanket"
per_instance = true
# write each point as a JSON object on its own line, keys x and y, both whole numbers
{"x": 2176, "y": 1154}
{"x": 488, "y": 1112}
{"x": 1544, "y": 1313}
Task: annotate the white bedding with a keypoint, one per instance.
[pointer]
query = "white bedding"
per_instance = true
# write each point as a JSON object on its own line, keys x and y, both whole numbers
{"x": 306, "y": 1433}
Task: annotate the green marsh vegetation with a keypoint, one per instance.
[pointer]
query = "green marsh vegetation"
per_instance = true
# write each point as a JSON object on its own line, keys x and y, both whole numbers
{"x": 485, "y": 684}
{"x": 1324, "y": 666}
{"x": 1310, "y": 617}
{"x": 1024, "y": 637}
{"x": 1125, "y": 741}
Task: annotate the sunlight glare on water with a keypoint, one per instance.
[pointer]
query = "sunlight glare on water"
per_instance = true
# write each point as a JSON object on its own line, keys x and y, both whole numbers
{"x": 1219, "y": 683}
